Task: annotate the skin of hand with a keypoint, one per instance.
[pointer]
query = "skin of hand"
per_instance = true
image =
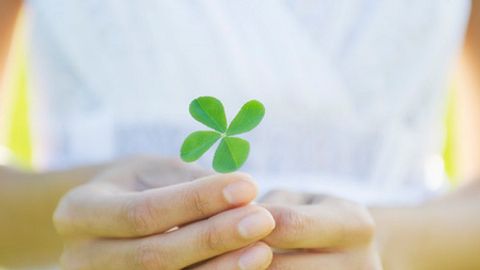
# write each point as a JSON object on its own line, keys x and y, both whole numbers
{"x": 320, "y": 232}
{"x": 136, "y": 216}
{"x": 441, "y": 234}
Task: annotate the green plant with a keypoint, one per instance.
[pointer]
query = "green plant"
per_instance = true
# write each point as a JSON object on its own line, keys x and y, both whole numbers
{"x": 232, "y": 152}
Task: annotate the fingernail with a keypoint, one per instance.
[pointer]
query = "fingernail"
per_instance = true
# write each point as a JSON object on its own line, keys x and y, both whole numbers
{"x": 256, "y": 225}
{"x": 239, "y": 192}
{"x": 256, "y": 257}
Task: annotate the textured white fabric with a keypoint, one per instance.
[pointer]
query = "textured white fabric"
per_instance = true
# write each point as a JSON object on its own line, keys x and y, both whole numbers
{"x": 354, "y": 90}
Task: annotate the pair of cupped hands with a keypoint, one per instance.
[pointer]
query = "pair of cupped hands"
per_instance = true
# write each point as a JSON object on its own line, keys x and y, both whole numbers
{"x": 151, "y": 213}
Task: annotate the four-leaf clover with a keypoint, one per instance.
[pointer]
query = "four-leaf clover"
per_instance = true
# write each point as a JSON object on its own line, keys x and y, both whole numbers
{"x": 232, "y": 152}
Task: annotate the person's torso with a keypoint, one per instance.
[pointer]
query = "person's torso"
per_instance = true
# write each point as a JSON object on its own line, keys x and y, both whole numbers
{"x": 353, "y": 89}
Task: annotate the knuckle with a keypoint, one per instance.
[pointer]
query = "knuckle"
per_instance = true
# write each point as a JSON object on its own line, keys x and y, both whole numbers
{"x": 212, "y": 240}
{"x": 146, "y": 257}
{"x": 139, "y": 216}
{"x": 197, "y": 202}
{"x": 291, "y": 225}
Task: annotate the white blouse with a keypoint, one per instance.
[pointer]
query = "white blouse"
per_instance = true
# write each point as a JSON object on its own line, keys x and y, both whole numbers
{"x": 354, "y": 90}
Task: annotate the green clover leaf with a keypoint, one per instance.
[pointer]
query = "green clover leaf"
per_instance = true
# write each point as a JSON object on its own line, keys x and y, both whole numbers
{"x": 249, "y": 116}
{"x": 232, "y": 152}
{"x": 197, "y": 143}
{"x": 209, "y": 111}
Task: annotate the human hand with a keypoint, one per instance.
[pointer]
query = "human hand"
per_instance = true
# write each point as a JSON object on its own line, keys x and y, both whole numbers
{"x": 130, "y": 218}
{"x": 320, "y": 232}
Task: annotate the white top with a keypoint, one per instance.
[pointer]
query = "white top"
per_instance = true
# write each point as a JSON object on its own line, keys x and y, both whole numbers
{"x": 354, "y": 90}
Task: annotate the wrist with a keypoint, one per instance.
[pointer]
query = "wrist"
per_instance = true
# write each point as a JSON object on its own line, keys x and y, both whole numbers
{"x": 26, "y": 199}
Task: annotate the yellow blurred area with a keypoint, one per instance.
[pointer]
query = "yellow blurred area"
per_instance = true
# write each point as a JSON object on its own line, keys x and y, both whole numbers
{"x": 15, "y": 130}
{"x": 449, "y": 152}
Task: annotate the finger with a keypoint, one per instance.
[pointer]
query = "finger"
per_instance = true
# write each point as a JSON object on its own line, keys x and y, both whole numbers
{"x": 186, "y": 246}
{"x": 320, "y": 226}
{"x": 96, "y": 210}
{"x": 255, "y": 257}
